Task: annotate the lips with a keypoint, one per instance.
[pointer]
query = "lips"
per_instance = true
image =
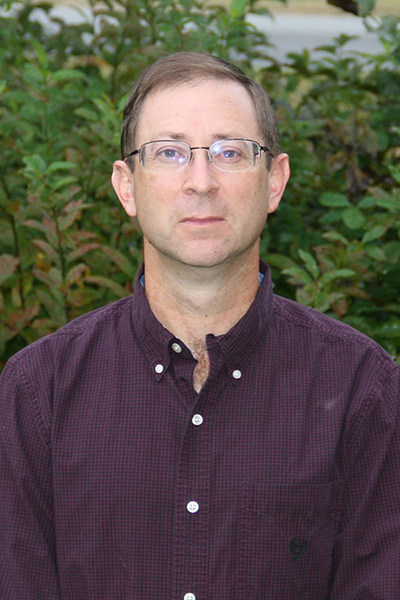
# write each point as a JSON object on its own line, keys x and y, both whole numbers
{"x": 209, "y": 220}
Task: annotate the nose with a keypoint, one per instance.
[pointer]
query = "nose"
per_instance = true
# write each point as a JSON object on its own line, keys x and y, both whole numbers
{"x": 200, "y": 175}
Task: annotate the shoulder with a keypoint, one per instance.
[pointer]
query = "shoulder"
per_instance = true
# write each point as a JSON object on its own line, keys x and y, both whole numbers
{"x": 84, "y": 331}
{"x": 53, "y": 366}
{"x": 319, "y": 326}
{"x": 339, "y": 355}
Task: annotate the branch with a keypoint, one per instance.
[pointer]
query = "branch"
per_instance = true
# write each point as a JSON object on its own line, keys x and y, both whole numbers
{"x": 347, "y": 5}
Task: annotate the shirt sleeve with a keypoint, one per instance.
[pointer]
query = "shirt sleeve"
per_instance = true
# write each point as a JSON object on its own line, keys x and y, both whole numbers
{"x": 27, "y": 538}
{"x": 367, "y": 553}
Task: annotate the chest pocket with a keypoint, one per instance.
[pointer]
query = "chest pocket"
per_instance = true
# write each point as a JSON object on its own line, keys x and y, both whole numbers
{"x": 285, "y": 541}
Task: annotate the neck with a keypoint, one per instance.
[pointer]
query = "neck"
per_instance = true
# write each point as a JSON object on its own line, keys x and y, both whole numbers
{"x": 193, "y": 301}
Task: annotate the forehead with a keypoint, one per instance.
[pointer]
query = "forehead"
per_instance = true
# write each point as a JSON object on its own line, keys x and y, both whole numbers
{"x": 208, "y": 110}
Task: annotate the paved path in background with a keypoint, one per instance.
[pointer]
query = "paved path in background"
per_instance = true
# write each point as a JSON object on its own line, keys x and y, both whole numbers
{"x": 292, "y": 32}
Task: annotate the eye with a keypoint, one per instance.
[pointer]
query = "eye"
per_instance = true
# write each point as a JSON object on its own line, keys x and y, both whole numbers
{"x": 228, "y": 152}
{"x": 170, "y": 154}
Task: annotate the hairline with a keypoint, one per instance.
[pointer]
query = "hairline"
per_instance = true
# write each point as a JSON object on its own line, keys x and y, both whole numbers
{"x": 192, "y": 69}
{"x": 165, "y": 85}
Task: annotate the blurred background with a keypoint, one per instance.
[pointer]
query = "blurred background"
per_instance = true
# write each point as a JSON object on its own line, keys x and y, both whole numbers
{"x": 66, "y": 70}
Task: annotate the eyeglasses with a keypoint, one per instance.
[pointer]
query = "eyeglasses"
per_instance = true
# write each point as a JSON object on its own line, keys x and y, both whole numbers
{"x": 227, "y": 155}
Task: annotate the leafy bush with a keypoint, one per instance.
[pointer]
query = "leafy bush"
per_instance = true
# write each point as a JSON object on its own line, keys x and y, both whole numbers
{"x": 67, "y": 247}
{"x": 336, "y": 239}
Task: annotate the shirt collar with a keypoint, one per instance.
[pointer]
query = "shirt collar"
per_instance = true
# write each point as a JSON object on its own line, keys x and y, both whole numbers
{"x": 236, "y": 345}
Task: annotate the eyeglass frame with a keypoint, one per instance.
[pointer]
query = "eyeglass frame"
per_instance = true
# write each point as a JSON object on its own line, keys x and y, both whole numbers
{"x": 209, "y": 157}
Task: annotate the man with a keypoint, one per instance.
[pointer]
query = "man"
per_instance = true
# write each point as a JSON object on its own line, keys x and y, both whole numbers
{"x": 203, "y": 439}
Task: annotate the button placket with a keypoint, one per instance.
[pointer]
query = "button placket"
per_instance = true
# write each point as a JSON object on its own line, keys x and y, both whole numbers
{"x": 193, "y": 492}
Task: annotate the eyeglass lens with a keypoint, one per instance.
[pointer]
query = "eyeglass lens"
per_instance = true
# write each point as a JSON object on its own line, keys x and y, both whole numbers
{"x": 228, "y": 155}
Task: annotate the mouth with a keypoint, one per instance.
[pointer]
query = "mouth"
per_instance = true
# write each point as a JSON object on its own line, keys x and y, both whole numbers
{"x": 202, "y": 221}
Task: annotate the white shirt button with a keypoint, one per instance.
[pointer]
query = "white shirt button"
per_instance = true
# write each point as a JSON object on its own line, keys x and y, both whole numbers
{"x": 189, "y": 597}
{"x": 192, "y": 506}
{"x": 176, "y": 348}
{"x": 197, "y": 419}
{"x": 236, "y": 374}
{"x": 159, "y": 368}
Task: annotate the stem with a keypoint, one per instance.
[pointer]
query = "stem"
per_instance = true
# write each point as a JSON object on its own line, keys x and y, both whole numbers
{"x": 59, "y": 248}
{"x": 62, "y": 260}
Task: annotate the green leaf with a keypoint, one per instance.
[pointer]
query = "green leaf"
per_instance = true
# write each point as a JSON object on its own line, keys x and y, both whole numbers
{"x": 392, "y": 252}
{"x": 297, "y": 275}
{"x": 41, "y": 53}
{"x": 367, "y": 202}
{"x": 237, "y": 8}
{"x": 376, "y": 253}
{"x": 32, "y": 76}
{"x": 61, "y": 165}
{"x": 353, "y": 218}
{"x": 281, "y": 261}
{"x": 374, "y": 234}
{"x": 337, "y": 274}
{"x": 88, "y": 115}
{"x": 16, "y": 296}
{"x": 334, "y": 200}
{"x": 67, "y": 74}
{"x": 55, "y": 310}
{"x": 388, "y": 202}
{"x": 35, "y": 164}
{"x": 64, "y": 181}
{"x": 366, "y": 7}
{"x": 119, "y": 259}
{"x": 310, "y": 262}
{"x": 332, "y": 216}
{"x": 48, "y": 230}
{"x": 335, "y": 236}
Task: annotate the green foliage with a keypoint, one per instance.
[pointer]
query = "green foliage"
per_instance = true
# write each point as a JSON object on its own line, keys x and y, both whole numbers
{"x": 67, "y": 247}
{"x": 336, "y": 239}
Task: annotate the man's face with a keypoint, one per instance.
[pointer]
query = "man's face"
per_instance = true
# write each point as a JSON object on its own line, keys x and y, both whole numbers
{"x": 200, "y": 215}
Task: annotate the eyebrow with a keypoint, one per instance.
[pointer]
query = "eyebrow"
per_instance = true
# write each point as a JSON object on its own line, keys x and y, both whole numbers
{"x": 169, "y": 135}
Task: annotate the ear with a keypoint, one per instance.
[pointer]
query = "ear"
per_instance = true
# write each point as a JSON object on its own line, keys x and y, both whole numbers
{"x": 278, "y": 178}
{"x": 122, "y": 181}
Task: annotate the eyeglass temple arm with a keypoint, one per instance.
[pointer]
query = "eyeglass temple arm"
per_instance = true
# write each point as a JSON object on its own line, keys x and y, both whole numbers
{"x": 267, "y": 151}
{"x": 133, "y": 153}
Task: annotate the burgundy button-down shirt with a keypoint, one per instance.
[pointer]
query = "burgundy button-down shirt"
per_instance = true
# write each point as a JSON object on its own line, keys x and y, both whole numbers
{"x": 280, "y": 480}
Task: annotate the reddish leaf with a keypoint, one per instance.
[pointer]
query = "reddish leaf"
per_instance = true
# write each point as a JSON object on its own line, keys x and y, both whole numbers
{"x": 82, "y": 251}
{"x": 117, "y": 289}
{"x": 47, "y": 249}
{"x": 8, "y": 265}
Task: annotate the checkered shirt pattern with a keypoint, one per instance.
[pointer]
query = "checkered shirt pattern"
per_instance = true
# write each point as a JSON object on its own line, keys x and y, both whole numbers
{"x": 280, "y": 480}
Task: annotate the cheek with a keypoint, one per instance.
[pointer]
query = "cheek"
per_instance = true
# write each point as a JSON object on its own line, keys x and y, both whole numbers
{"x": 155, "y": 191}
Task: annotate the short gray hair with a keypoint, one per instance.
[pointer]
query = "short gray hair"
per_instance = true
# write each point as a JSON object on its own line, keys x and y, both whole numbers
{"x": 187, "y": 67}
